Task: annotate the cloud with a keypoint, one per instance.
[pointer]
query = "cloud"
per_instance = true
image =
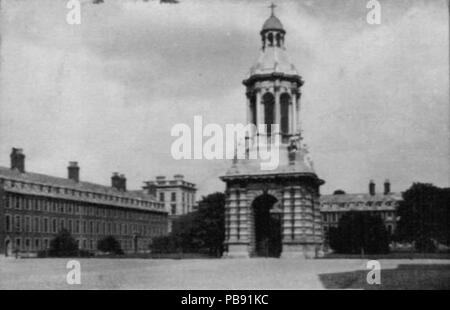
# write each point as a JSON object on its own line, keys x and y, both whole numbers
{"x": 107, "y": 92}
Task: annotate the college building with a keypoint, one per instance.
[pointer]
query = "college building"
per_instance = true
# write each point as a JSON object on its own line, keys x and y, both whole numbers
{"x": 384, "y": 205}
{"x": 177, "y": 195}
{"x": 35, "y": 207}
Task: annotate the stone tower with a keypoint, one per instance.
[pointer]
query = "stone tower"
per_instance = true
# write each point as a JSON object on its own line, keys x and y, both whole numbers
{"x": 273, "y": 212}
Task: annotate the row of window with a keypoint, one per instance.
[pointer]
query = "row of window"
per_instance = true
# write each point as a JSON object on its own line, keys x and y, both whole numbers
{"x": 38, "y": 244}
{"x": 73, "y": 192}
{"x": 35, "y": 224}
{"x": 67, "y": 207}
{"x": 359, "y": 204}
{"x": 329, "y": 217}
{"x": 185, "y": 197}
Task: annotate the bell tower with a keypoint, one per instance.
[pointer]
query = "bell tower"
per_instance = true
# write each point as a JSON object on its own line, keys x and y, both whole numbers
{"x": 273, "y": 85}
{"x": 273, "y": 212}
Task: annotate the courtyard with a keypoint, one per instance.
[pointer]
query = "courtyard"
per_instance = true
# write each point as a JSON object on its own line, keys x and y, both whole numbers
{"x": 224, "y": 274}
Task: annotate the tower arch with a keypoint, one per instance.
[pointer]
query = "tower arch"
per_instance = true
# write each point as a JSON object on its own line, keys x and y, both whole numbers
{"x": 267, "y": 226}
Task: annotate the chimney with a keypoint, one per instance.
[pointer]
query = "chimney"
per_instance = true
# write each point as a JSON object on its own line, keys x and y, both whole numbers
{"x": 178, "y": 177}
{"x": 160, "y": 179}
{"x": 387, "y": 186}
{"x": 150, "y": 187}
{"x": 123, "y": 183}
{"x": 17, "y": 159}
{"x": 371, "y": 188}
{"x": 73, "y": 171}
{"x": 115, "y": 181}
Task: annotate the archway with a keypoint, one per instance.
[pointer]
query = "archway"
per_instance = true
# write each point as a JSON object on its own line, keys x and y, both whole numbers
{"x": 267, "y": 223}
{"x": 8, "y": 247}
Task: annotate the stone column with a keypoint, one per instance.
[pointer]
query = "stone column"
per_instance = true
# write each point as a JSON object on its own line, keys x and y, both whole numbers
{"x": 294, "y": 112}
{"x": 237, "y": 246}
{"x": 259, "y": 110}
{"x": 299, "y": 127}
{"x": 249, "y": 109}
{"x": 288, "y": 216}
{"x": 300, "y": 237}
{"x": 277, "y": 109}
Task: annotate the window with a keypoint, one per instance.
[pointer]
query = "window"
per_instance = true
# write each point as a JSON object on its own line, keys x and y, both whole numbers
{"x": 8, "y": 222}
{"x": 174, "y": 196}
{"x": 46, "y": 225}
{"x": 69, "y": 225}
{"x": 173, "y": 208}
{"x": 27, "y": 224}
{"x": 18, "y": 243}
{"x": 77, "y": 227}
{"x": 54, "y": 226}
{"x": 36, "y": 224}
{"x": 27, "y": 244}
{"x": 17, "y": 221}
{"x": 37, "y": 244}
{"x": 45, "y": 243}
{"x": 62, "y": 224}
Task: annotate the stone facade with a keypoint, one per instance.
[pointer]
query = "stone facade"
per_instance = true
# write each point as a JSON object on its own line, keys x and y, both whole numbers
{"x": 273, "y": 212}
{"x": 35, "y": 207}
{"x": 177, "y": 195}
{"x": 297, "y": 205}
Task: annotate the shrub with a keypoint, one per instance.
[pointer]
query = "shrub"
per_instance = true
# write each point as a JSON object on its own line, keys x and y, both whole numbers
{"x": 359, "y": 232}
{"x": 63, "y": 245}
{"x": 110, "y": 244}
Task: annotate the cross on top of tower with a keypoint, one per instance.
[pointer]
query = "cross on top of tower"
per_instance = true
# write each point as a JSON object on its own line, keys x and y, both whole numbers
{"x": 272, "y": 8}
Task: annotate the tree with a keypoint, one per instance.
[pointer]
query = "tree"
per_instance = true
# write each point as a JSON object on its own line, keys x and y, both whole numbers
{"x": 359, "y": 232}
{"x": 109, "y": 244}
{"x": 424, "y": 216}
{"x": 203, "y": 230}
{"x": 63, "y": 245}
{"x": 211, "y": 222}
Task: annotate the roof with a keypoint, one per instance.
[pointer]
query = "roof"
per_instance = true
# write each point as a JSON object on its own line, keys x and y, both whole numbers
{"x": 252, "y": 168}
{"x": 272, "y": 23}
{"x": 273, "y": 60}
{"x": 347, "y": 198}
{"x": 63, "y": 183}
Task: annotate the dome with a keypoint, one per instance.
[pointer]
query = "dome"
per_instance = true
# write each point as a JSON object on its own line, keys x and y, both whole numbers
{"x": 273, "y": 60}
{"x": 272, "y": 23}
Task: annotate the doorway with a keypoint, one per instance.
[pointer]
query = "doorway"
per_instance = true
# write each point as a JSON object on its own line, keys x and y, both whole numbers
{"x": 267, "y": 227}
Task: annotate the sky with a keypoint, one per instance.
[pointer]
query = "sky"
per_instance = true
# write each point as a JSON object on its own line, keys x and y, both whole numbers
{"x": 106, "y": 93}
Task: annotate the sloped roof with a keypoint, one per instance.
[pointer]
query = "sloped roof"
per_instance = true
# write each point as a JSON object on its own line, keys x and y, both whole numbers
{"x": 365, "y": 197}
{"x": 43, "y": 179}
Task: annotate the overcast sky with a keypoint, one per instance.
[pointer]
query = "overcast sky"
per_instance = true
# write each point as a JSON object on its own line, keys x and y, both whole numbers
{"x": 107, "y": 92}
